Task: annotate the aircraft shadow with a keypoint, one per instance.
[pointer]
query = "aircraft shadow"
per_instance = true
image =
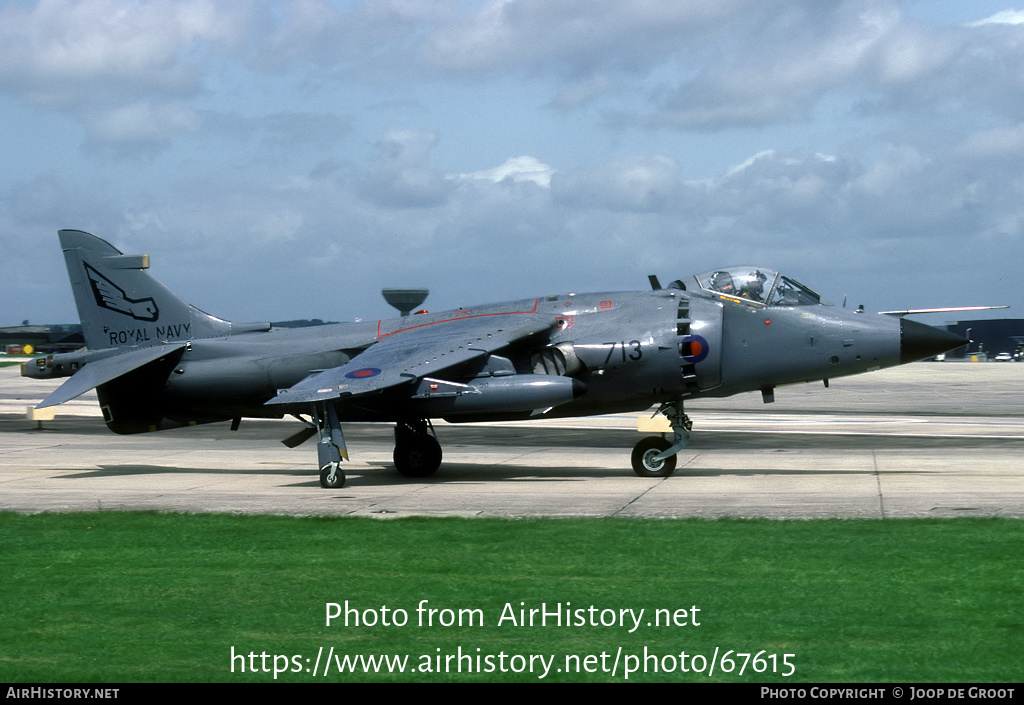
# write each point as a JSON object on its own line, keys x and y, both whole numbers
{"x": 130, "y": 470}
{"x": 461, "y": 473}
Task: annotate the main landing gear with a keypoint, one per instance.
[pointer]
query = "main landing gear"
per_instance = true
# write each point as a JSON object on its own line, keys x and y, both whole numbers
{"x": 655, "y": 456}
{"x": 417, "y": 452}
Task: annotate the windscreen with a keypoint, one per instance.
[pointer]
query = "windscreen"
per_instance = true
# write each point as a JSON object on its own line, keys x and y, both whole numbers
{"x": 759, "y": 284}
{"x": 792, "y": 293}
{"x": 753, "y": 283}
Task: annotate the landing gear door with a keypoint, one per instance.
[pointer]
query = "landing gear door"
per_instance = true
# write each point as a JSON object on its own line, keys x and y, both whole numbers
{"x": 699, "y": 339}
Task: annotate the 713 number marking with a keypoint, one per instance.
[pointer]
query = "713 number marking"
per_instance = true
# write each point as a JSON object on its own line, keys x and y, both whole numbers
{"x": 631, "y": 351}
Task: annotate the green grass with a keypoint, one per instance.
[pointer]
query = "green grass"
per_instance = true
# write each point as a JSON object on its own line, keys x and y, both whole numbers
{"x": 125, "y": 597}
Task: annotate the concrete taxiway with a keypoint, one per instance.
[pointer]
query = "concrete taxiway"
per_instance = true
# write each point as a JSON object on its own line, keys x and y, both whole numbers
{"x": 923, "y": 440}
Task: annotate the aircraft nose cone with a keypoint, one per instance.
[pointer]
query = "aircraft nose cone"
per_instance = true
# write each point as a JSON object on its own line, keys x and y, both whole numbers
{"x": 918, "y": 341}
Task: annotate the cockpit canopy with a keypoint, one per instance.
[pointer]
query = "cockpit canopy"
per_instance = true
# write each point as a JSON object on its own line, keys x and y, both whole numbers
{"x": 758, "y": 284}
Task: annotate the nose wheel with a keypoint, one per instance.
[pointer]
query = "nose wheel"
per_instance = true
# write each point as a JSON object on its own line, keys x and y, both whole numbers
{"x": 645, "y": 454}
{"x": 655, "y": 456}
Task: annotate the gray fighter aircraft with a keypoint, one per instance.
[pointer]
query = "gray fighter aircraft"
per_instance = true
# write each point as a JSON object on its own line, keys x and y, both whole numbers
{"x": 157, "y": 362}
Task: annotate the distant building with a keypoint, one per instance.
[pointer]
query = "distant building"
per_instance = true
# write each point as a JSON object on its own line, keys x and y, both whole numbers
{"x": 988, "y": 336}
{"x": 41, "y": 339}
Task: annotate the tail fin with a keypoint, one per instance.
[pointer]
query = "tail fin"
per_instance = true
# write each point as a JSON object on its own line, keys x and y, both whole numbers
{"x": 120, "y": 304}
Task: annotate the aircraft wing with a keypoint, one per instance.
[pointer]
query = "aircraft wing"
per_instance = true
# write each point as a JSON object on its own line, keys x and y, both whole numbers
{"x": 408, "y": 355}
{"x": 104, "y": 370}
{"x": 940, "y": 310}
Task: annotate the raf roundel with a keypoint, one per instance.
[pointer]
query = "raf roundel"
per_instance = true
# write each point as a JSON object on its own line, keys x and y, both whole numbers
{"x": 695, "y": 348}
{"x": 363, "y": 373}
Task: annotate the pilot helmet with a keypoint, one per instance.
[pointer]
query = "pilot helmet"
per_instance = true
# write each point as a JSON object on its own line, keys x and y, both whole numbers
{"x": 754, "y": 286}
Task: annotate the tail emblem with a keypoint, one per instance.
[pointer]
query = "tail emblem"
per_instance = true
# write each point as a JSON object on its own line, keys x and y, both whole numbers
{"x": 112, "y": 297}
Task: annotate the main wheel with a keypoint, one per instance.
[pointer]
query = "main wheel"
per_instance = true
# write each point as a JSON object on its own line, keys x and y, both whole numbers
{"x": 644, "y": 463}
{"x": 339, "y": 478}
{"x": 419, "y": 456}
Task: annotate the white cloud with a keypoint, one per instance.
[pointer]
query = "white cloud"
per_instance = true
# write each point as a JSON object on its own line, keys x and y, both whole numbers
{"x": 573, "y": 36}
{"x": 63, "y": 51}
{"x": 776, "y": 70}
{"x": 748, "y": 163}
{"x": 370, "y": 40}
{"x": 516, "y": 169}
{"x": 1001, "y": 17}
{"x": 125, "y": 69}
{"x": 628, "y": 184}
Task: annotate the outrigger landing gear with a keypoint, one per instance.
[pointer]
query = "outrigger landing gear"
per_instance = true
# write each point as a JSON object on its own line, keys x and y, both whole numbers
{"x": 655, "y": 456}
{"x": 417, "y": 452}
{"x": 331, "y": 448}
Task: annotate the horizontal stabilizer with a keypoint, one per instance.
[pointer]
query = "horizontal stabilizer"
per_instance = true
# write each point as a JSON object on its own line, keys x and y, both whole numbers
{"x": 105, "y": 370}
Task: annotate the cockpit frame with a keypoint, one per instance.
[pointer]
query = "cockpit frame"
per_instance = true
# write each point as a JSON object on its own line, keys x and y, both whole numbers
{"x": 758, "y": 285}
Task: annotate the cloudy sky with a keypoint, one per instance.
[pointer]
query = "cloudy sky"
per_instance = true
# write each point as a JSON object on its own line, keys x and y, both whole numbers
{"x": 288, "y": 159}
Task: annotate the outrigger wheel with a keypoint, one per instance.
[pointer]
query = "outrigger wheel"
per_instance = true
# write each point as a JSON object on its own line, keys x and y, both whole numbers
{"x": 329, "y": 482}
{"x": 331, "y": 449}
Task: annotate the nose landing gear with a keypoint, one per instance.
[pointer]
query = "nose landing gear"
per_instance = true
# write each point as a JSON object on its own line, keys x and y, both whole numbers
{"x": 655, "y": 456}
{"x": 644, "y": 458}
